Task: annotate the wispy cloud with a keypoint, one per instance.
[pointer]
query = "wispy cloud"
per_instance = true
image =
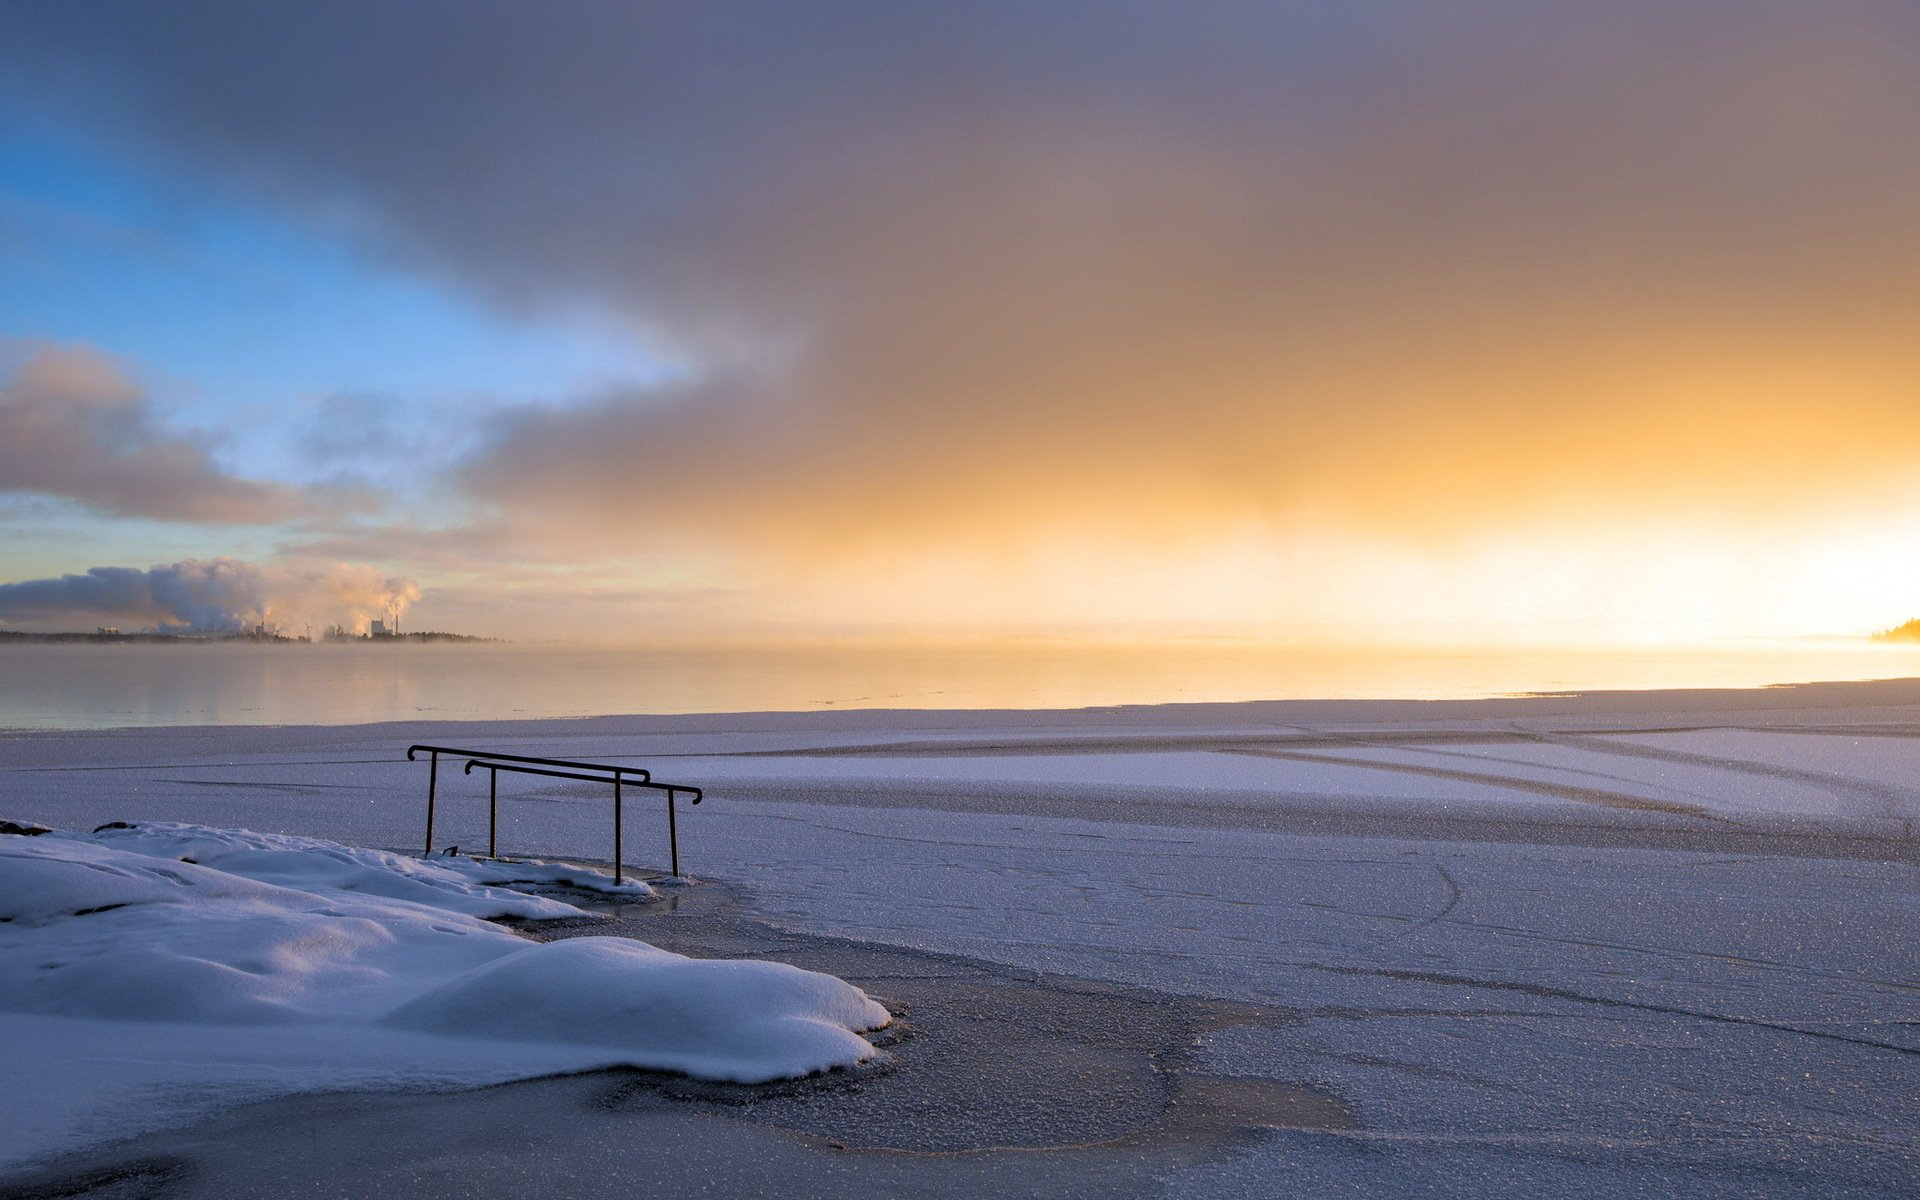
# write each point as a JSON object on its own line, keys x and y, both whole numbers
{"x": 73, "y": 424}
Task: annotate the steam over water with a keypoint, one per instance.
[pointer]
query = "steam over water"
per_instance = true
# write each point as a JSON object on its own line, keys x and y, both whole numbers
{"x": 51, "y": 686}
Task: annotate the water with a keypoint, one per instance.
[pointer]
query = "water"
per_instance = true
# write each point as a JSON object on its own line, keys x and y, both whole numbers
{"x": 105, "y": 686}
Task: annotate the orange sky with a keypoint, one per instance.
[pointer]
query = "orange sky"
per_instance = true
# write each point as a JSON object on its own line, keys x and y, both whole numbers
{"x": 1461, "y": 323}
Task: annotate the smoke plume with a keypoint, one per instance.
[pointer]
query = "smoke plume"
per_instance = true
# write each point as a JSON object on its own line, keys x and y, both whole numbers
{"x": 218, "y": 595}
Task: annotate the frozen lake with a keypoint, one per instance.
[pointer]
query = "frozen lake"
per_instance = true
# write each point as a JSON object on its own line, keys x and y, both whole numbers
{"x": 1610, "y": 945}
{"x": 82, "y": 686}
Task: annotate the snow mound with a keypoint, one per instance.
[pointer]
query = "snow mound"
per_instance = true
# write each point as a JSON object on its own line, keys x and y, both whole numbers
{"x": 150, "y": 972}
{"x": 45, "y": 878}
{"x": 472, "y": 886}
{"x": 91, "y": 931}
{"x": 742, "y": 1021}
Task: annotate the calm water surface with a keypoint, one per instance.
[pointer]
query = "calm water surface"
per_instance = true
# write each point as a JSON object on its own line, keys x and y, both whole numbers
{"x": 105, "y": 686}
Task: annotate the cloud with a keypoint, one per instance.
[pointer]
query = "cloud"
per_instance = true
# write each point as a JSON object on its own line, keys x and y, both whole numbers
{"x": 991, "y": 278}
{"x": 73, "y": 425}
{"x": 218, "y": 595}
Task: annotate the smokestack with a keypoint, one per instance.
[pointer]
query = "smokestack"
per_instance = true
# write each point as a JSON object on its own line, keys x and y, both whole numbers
{"x": 220, "y": 595}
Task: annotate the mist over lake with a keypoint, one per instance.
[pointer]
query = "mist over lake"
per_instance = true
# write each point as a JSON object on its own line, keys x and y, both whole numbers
{"x": 109, "y": 686}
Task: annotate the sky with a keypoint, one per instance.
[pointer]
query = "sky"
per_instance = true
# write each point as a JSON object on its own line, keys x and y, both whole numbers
{"x": 1348, "y": 322}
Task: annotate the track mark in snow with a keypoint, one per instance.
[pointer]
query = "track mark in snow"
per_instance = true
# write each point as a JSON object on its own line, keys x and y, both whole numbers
{"x": 1322, "y": 906}
{"x": 1454, "y": 895}
{"x": 237, "y": 766}
{"x": 1547, "y": 992}
{"x": 1880, "y": 799}
{"x": 296, "y": 788}
{"x": 1341, "y": 1012}
{"x": 1574, "y": 792}
{"x": 1555, "y": 768}
{"x": 1739, "y": 960}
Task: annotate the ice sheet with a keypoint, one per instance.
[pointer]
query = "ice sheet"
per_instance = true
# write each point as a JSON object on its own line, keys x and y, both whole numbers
{"x": 1519, "y": 987}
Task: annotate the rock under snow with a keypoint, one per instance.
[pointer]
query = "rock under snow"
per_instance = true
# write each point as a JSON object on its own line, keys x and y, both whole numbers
{"x": 143, "y": 963}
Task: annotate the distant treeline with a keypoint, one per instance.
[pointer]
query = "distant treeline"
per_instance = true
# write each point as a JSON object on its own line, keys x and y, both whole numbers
{"x": 176, "y": 639}
{"x": 1910, "y": 632}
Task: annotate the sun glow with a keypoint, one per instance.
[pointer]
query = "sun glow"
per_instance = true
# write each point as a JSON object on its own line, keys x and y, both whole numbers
{"x": 1623, "y": 584}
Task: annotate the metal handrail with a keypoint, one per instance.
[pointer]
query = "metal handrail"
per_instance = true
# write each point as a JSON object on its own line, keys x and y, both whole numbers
{"x": 433, "y": 772}
{"x": 493, "y": 769}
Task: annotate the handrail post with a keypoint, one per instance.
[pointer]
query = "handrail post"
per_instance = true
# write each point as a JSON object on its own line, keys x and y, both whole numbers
{"x": 493, "y": 813}
{"x": 673, "y": 835}
{"x": 433, "y": 780}
{"x": 616, "y": 829}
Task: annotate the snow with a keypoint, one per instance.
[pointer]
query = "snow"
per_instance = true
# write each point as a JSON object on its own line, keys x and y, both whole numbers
{"x": 738, "y": 1020}
{"x": 477, "y": 887}
{"x": 1607, "y": 946}
{"x": 141, "y": 966}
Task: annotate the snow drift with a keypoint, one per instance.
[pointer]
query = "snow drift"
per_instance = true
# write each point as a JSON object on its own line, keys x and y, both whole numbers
{"x": 167, "y": 968}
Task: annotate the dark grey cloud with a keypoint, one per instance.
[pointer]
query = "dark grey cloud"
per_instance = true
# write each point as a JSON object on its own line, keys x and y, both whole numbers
{"x": 73, "y": 425}
{"x": 1405, "y": 261}
{"x": 208, "y": 596}
{"x": 119, "y": 592}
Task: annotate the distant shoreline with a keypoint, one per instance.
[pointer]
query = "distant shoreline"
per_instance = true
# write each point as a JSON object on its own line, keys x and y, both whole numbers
{"x": 201, "y": 639}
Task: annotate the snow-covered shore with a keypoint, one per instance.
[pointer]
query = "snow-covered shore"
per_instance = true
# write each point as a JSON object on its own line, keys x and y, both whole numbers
{"x": 1566, "y": 945}
{"x": 148, "y": 972}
